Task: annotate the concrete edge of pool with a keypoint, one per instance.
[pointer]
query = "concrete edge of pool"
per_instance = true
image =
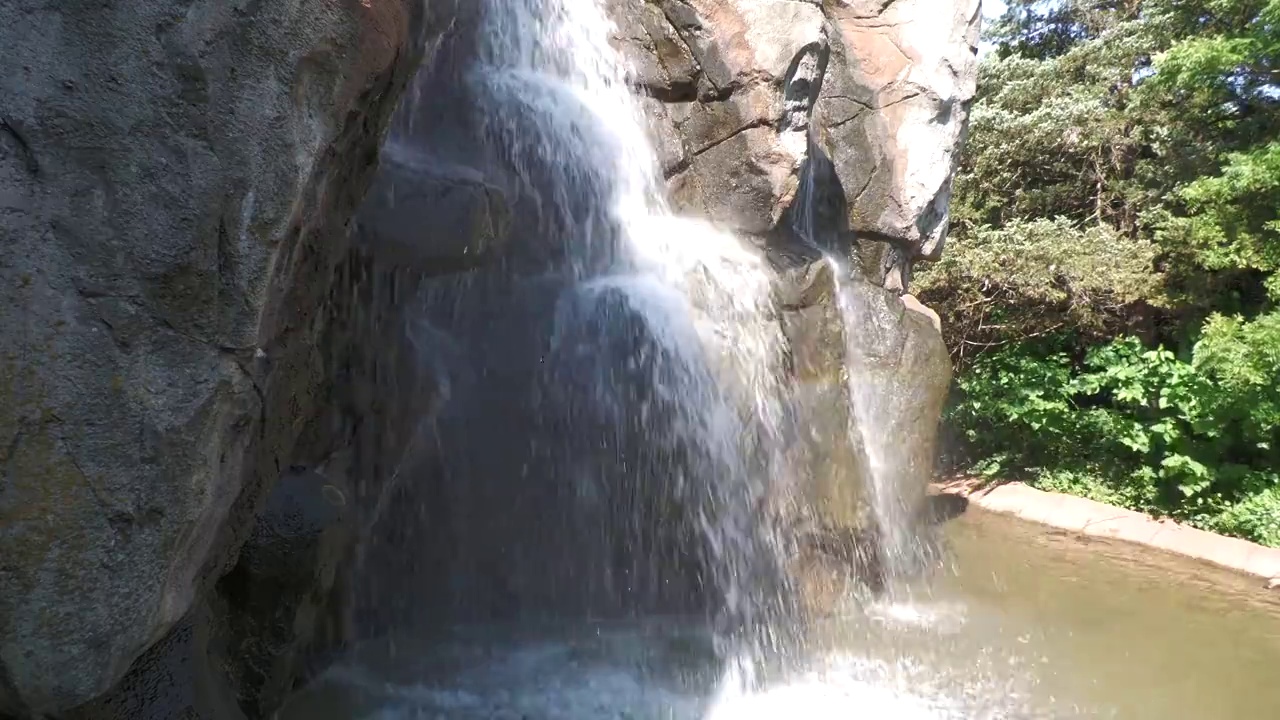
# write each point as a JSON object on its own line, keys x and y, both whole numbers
{"x": 1095, "y": 519}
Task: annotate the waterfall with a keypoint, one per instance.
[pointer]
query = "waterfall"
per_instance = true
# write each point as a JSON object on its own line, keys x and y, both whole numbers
{"x": 885, "y": 472}
{"x": 554, "y": 100}
{"x": 889, "y": 482}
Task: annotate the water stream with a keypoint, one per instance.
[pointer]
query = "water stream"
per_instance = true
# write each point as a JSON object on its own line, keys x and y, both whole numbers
{"x": 554, "y": 92}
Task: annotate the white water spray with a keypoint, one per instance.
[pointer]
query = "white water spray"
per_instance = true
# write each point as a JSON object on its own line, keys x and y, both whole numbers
{"x": 886, "y": 472}
{"x": 557, "y": 101}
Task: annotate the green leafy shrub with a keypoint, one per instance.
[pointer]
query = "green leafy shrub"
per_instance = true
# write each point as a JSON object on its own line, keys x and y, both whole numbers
{"x": 1030, "y": 279}
{"x": 1193, "y": 438}
{"x": 1256, "y": 516}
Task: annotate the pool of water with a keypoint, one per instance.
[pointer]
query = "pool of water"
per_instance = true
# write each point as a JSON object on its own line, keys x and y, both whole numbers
{"x": 1025, "y": 623}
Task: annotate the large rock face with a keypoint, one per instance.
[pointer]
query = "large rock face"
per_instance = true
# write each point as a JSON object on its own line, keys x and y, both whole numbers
{"x": 853, "y": 107}
{"x": 831, "y": 125}
{"x": 172, "y": 178}
{"x": 892, "y": 118}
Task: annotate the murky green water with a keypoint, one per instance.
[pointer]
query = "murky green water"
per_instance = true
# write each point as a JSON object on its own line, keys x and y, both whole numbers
{"x": 1031, "y": 624}
{"x": 1127, "y": 632}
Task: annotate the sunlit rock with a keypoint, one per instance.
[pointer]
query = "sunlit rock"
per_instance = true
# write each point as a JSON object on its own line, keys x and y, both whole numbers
{"x": 881, "y": 89}
{"x": 892, "y": 113}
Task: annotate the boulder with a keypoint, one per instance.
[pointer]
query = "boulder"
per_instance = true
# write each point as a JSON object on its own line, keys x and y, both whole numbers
{"x": 854, "y": 109}
{"x": 175, "y": 181}
{"x": 891, "y": 115}
{"x": 431, "y": 216}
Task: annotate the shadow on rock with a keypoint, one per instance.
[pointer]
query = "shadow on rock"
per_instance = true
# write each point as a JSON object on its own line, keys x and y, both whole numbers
{"x": 941, "y": 508}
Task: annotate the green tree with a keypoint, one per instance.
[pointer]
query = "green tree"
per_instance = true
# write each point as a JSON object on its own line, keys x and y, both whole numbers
{"x": 1119, "y": 195}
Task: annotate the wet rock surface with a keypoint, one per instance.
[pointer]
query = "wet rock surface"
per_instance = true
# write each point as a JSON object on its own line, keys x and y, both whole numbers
{"x": 833, "y": 457}
{"x": 277, "y": 605}
{"x": 870, "y": 358}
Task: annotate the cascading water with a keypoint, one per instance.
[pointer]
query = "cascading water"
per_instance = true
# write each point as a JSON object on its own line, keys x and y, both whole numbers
{"x": 890, "y": 484}
{"x": 892, "y": 489}
{"x": 554, "y": 95}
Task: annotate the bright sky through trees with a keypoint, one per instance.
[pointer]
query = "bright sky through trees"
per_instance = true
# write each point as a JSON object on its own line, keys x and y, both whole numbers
{"x": 991, "y": 10}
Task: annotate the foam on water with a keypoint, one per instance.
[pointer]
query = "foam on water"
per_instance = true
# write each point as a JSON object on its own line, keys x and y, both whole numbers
{"x": 635, "y": 675}
{"x": 842, "y": 686}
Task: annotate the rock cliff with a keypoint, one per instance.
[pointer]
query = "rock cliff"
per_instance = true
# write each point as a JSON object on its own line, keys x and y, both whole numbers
{"x": 866, "y": 99}
{"x": 173, "y": 176}
{"x": 827, "y": 124}
{"x": 192, "y": 278}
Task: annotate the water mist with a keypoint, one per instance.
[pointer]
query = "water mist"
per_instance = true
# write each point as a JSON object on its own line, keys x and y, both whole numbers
{"x": 554, "y": 94}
